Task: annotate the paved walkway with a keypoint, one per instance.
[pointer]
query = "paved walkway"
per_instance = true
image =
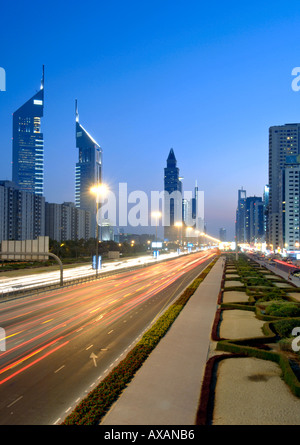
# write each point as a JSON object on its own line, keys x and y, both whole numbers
{"x": 166, "y": 389}
{"x": 280, "y": 272}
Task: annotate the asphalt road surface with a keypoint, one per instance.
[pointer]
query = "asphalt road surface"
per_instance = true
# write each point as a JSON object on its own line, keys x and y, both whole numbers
{"x": 60, "y": 344}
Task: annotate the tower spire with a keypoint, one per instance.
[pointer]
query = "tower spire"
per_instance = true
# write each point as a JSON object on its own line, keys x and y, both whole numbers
{"x": 43, "y": 78}
{"x": 76, "y": 111}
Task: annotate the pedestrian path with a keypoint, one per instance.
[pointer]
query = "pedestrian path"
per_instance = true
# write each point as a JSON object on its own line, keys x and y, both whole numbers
{"x": 280, "y": 272}
{"x": 166, "y": 389}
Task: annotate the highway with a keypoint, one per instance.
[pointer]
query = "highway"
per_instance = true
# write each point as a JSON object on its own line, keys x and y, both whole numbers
{"x": 60, "y": 344}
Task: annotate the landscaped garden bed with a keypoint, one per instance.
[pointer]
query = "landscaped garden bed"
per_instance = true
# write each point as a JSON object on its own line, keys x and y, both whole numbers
{"x": 259, "y": 328}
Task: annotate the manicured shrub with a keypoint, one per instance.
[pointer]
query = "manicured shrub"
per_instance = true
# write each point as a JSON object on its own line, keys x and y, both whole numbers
{"x": 284, "y": 327}
{"x": 280, "y": 309}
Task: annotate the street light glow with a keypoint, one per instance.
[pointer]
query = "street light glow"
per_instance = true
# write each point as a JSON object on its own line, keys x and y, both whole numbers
{"x": 156, "y": 214}
{"x": 100, "y": 189}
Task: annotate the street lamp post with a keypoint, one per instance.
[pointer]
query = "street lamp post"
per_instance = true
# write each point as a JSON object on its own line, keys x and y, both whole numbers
{"x": 179, "y": 225}
{"x": 156, "y": 215}
{"x": 98, "y": 190}
{"x": 188, "y": 229}
{"x": 197, "y": 233}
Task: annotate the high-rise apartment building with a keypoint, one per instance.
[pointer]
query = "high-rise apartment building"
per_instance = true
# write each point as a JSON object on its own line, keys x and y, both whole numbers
{"x": 22, "y": 214}
{"x": 66, "y": 222}
{"x": 172, "y": 199}
{"x": 289, "y": 205}
{"x": 88, "y": 171}
{"x": 28, "y": 144}
{"x": 284, "y": 140}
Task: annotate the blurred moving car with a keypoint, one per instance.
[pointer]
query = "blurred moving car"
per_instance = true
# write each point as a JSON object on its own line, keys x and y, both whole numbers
{"x": 295, "y": 273}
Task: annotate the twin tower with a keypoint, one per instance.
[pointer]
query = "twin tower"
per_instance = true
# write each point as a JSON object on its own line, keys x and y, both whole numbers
{"x": 28, "y": 154}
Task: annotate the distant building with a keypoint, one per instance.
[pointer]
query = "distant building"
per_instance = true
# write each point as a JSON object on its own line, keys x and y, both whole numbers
{"x": 28, "y": 145}
{"x": 66, "y": 222}
{"x": 222, "y": 234}
{"x": 88, "y": 171}
{"x": 254, "y": 223}
{"x": 266, "y": 210}
{"x": 106, "y": 230}
{"x": 22, "y": 214}
{"x": 240, "y": 224}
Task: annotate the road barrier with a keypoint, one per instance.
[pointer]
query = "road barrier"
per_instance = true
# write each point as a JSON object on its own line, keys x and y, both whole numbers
{"x": 74, "y": 281}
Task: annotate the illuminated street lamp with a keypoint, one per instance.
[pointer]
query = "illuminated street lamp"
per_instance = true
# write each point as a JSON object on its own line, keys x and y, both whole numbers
{"x": 99, "y": 190}
{"x": 197, "y": 233}
{"x": 156, "y": 215}
{"x": 188, "y": 229}
{"x": 179, "y": 225}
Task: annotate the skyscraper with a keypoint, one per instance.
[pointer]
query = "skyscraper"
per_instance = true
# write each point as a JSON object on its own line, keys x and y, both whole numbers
{"x": 28, "y": 144}
{"x": 88, "y": 170}
{"x": 173, "y": 197}
{"x": 284, "y": 140}
{"x": 240, "y": 224}
{"x": 254, "y": 222}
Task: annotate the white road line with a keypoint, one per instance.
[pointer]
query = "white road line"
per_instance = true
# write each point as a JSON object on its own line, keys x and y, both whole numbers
{"x": 110, "y": 332}
{"x": 89, "y": 347}
{"x": 15, "y": 401}
{"x": 59, "y": 369}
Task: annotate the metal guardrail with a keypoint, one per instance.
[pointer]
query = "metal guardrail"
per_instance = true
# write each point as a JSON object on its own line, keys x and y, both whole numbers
{"x": 75, "y": 281}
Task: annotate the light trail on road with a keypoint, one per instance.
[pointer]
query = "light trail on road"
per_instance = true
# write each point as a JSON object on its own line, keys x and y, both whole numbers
{"x": 44, "y": 331}
{"x": 39, "y": 279}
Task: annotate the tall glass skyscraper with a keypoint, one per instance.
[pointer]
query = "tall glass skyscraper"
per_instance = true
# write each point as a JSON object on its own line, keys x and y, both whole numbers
{"x": 28, "y": 144}
{"x": 88, "y": 170}
{"x": 240, "y": 222}
{"x": 173, "y": 197}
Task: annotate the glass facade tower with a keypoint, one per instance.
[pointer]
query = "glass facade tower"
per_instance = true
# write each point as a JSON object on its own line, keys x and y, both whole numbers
{"x": 173, "y": 197}
{"x": 28, "y": 144}
{"x": 88, "y": 171}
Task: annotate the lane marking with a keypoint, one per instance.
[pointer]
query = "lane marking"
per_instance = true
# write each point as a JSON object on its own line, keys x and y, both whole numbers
{"x": 15, "y": 401}
{"x": 8, "y": 336}
{"x": 59, "y": 369}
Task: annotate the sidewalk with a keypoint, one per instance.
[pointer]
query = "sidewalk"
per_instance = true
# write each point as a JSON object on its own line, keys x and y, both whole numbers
{"x": 281, "y": 273}
{"x": 166, "y": 389}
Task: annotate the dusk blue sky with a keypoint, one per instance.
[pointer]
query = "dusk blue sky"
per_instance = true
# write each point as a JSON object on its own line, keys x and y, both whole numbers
{"x": 205, "y": 78}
